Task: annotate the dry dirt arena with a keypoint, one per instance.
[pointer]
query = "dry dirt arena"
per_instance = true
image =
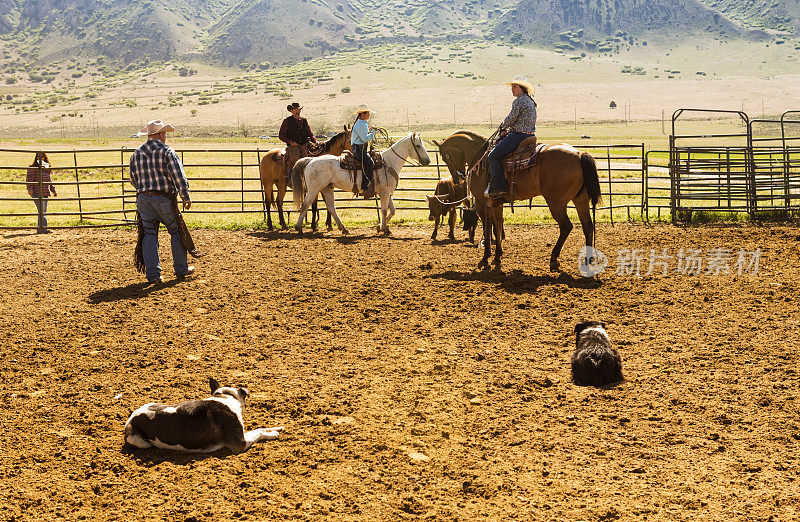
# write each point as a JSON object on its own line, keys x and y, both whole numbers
{"x": 410, "y": 385}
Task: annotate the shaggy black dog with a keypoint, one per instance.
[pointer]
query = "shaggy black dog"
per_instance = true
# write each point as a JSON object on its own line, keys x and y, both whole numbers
{"x": 595, "y": 362}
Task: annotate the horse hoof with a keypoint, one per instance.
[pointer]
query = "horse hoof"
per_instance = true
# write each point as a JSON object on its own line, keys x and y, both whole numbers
{"x": 345, "y": 232}
{"x": 554, "y": 267}
{"x": 483, "y": 264}
{"x": 329, "y": 229}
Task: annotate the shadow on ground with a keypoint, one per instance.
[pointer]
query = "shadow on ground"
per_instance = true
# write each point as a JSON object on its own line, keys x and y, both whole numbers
{"x": 132, "y": 291}
{"x": 517, "y": 282}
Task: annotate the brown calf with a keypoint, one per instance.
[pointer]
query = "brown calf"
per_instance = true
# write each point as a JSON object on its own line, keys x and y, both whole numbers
{"x": 447, "y": 197}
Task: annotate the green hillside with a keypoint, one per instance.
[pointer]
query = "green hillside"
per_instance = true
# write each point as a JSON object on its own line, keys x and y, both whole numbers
{"x": 234, "y": 32}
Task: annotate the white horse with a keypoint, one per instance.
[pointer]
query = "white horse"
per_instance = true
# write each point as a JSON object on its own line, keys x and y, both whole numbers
{"x": 322, "y": 174}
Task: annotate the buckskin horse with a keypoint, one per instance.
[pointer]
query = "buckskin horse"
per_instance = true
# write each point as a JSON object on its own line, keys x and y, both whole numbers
{"x": 323, "y": 174}
{"x": 273, "y": 172}
{"x": 560, "y": 174}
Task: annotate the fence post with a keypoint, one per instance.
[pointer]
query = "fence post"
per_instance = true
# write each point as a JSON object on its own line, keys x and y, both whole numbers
{"x": 241, "y": 165}
{"x": 122, "y": 179}
{"x": 728, "y": 169}
{"x": 261, "y": 181}
{"x": 644, "y": 212}
{"x": 750, "y": 173}
{"x": 78, "y": 184}
{"x": 610, "y": 198}
{"x": 673, "y": 173}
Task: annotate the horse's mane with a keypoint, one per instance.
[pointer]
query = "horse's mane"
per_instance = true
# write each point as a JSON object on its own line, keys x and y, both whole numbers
{"x": 326, "y": 145}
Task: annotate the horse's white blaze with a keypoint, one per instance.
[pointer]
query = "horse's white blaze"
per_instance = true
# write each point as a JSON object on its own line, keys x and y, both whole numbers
{"x": 323, "y": 171}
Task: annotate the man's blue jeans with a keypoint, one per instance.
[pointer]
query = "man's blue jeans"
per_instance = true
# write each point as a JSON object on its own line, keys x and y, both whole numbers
{"x": 497, "y": 181}
{"x": 153, "y": 209}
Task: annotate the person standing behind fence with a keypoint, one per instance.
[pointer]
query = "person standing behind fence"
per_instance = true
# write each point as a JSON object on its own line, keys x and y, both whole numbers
{"x": 39, "y": 188}
{"x": 158, "y": 175}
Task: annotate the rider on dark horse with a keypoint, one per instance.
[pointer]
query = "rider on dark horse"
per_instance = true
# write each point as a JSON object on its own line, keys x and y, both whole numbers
{"x": 520, "y": 124}
{"x": 297, "y": 135}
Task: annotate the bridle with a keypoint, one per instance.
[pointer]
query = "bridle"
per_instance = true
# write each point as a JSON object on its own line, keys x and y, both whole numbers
{"x": 416, "y": 151}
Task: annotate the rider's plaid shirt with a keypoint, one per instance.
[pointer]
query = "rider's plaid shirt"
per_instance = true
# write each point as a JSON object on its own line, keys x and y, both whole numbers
{"x": 155, "y": 166}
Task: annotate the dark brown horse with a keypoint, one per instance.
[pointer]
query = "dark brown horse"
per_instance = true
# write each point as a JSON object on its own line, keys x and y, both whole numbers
{"x": 561, "y": 174}
{"x": 273, "y": 172}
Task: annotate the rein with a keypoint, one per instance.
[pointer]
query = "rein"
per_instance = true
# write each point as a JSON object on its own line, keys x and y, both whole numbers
{"x": 476, "y": 164}
{"x": 439, "y": 199}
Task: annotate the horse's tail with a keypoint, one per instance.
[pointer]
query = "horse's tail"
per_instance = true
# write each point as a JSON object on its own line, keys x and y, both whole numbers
{"x": 298, "y": 191}
{"x": 591, "y": 182}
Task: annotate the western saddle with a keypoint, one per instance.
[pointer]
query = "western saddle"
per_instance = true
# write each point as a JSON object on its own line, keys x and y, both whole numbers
{"x": 523, "y": 158}
{"x": 352, "y": 164}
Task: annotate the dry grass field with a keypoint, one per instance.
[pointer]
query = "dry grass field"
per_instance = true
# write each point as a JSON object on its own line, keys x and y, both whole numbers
{"x": 410, "y": 385}
{"x": 416, "y": 87}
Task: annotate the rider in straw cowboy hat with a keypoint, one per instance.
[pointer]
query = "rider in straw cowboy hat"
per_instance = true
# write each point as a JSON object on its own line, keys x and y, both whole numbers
{"x": 520, "y": 124}
{"x": 360, "y": 136}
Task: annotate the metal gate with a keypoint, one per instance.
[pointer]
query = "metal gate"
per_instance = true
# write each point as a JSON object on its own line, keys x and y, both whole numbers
{"x": 755, "y": 170}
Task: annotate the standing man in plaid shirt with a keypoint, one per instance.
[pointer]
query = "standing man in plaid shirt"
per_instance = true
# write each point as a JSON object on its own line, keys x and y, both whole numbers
{"x": 157, "y": 174}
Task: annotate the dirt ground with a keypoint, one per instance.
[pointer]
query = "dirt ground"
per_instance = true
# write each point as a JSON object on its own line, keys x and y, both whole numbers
{"x": 410, "y": 385}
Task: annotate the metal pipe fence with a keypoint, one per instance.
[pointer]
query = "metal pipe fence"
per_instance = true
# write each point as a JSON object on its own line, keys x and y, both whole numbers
{"x": 754, "y": 171}
{"x": 94, "y": 187}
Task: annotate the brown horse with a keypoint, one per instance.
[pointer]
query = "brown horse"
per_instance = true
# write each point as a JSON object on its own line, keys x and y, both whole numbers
{"x": 273, "y": 171}
{"x": 561, "y": 174}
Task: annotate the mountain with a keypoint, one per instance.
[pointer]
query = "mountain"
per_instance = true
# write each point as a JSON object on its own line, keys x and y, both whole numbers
{"x": 602, "y": 24}
{"x": 232, "y": 32}
{"x": 778, "y": 15}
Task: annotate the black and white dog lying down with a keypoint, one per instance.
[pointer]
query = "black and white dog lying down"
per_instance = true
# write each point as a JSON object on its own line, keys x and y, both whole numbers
{"x": 595, "y": 362}
{"x": 200, "y": 426}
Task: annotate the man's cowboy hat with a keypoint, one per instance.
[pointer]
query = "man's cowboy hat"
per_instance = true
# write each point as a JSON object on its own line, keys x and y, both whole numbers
{"x": 154, "y": 127}
{"x": 363, "y": 108}
{"x": 521, "y": 80}
{"x": 292, "y": 106}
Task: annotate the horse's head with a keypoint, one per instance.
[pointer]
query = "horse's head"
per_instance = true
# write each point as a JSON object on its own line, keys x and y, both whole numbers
{"x": 419, "y": 149}
{"x": 338, "y": 143}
